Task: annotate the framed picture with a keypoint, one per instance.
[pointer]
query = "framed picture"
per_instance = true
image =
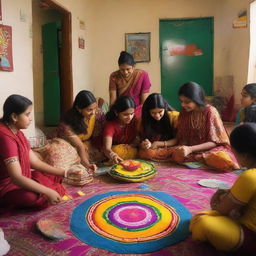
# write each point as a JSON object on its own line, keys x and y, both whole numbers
{"x": 0, "y": 10}
{"x": 138, "y": 45}
{"x": 6, "y": 62}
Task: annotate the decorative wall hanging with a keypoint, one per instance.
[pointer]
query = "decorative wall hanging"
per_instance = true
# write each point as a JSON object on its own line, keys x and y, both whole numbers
{"x": 6, "y": 62}
{"x": 0, "y": 10}
{"x": 138, "y": 44}
{"x": 241, "y": 21}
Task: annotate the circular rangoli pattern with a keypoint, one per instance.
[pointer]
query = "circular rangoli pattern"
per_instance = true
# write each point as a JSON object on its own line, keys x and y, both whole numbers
{"x": 145, "y": 171}
{"x": 130, "y": 221}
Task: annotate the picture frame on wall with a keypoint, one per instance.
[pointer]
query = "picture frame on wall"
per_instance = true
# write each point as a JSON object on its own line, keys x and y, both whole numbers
{"x": 6, "y": 61}
{"x": 0, "y": 10}
{"x": 138, "y": 45}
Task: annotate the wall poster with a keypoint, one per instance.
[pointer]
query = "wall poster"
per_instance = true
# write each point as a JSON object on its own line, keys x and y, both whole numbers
{"x": 6, "y": 62}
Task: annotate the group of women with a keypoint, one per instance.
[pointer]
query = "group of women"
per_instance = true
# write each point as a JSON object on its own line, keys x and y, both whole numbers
{"x": 138, "y": 125}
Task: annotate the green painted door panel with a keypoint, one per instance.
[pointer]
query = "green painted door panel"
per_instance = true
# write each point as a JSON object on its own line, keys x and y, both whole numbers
{"x": 186, "y": 52}
{"x": 51, "y": 86}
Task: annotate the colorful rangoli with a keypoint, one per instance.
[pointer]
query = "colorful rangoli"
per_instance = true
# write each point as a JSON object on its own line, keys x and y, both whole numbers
{"x": 133, "y": 170}
{"x": 130, "y": 221}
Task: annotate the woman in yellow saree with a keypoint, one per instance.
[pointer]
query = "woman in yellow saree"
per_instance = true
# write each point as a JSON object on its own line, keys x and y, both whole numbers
{"x": 81, "y": 127}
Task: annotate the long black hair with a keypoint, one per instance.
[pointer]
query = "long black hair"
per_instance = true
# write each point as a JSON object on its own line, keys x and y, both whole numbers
{"x": 152, "y": 127}
{"x": 14, "y": 104}
{"x": 243, "y": 139}
{"x": 126, "y": 58}
{"x": 250, "y": 114}
{"x": 121, "y": 104}
{"x": 73, "y": 117}
{"x": 194, "y": 92}
{"x": 251, "y": 90}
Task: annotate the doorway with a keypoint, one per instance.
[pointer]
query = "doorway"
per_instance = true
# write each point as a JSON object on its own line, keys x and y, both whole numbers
{"x": 45, "y": 11}
{"x": 186, "y": 52}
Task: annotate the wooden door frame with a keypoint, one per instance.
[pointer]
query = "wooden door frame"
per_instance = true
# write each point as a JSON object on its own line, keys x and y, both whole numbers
{"x": 66, "y": 72}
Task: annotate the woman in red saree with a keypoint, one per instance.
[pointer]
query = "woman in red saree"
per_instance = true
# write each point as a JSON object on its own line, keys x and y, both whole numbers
{"x": 128, "y": 81}
{"x": 19, "y": 186}
{"x": 201, "y": 135}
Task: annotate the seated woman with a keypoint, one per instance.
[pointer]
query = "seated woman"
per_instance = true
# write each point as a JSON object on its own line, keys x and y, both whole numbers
{"x": 19, "y": 186}
{"x": 120, "y": 130}
{"x": 157, "y": 128}
{"x": 128, "y": 81}
{"x": 248, "y": 101}
{"x": 201, "y": 135}
{"x": 230, "y": 225}
{"x": 78, "y": 127}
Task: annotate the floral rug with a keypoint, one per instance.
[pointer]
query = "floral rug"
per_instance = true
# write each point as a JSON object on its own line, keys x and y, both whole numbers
{"x": 177, "y": 181}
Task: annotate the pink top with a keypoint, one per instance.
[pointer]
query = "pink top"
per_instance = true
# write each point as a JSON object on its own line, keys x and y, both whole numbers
{"x": 137, "y": 84}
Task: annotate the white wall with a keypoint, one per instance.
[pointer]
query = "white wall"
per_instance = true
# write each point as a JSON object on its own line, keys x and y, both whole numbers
{"x": 252, "y": 58}
{"x": 232, "y": 45}
{"x": 20, "y": 81}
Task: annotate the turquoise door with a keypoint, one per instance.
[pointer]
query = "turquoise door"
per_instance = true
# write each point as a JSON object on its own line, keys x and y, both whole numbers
{"x": 51, "y": 86}
{"x": 186, "y": 52}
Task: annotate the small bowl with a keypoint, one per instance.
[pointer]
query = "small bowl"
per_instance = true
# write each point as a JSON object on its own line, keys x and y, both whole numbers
{"x": 130, "y": 165}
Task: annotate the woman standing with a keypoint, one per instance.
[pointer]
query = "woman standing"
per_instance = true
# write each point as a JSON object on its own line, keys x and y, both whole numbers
{"x": 128, "y": 81}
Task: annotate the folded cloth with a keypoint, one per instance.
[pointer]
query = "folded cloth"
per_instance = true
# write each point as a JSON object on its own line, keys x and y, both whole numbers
{"x": 4, "y": 246}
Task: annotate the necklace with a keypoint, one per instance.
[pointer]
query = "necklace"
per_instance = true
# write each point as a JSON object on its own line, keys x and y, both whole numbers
{"x": 196, "y": 119}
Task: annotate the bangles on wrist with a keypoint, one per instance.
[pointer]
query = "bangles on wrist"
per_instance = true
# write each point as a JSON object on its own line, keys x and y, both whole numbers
{"x": 112, "y": 155}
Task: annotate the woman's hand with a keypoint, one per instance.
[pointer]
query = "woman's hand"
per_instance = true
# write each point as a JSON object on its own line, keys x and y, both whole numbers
{"x": 156, "y": 144}
{"x": 146, "y": 144}
{"x": 92, "y": 168}
{"x": 115, "y": 158}
{"x": 53, "y": 196}
{"x": 180, "y": 153}
{"x": 217, "y": 196}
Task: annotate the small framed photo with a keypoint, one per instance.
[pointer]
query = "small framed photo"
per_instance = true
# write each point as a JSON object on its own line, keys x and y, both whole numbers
{"x": 138, "y": 45}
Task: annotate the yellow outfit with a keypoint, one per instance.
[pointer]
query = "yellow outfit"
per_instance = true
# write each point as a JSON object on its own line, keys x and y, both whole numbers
{"x": 90, "y": 127}
{"x": 221, "y": 231}
{"x": 244, "y": 190}
{"x": 125, "y": 151}
{"x": 174, "y": 115}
